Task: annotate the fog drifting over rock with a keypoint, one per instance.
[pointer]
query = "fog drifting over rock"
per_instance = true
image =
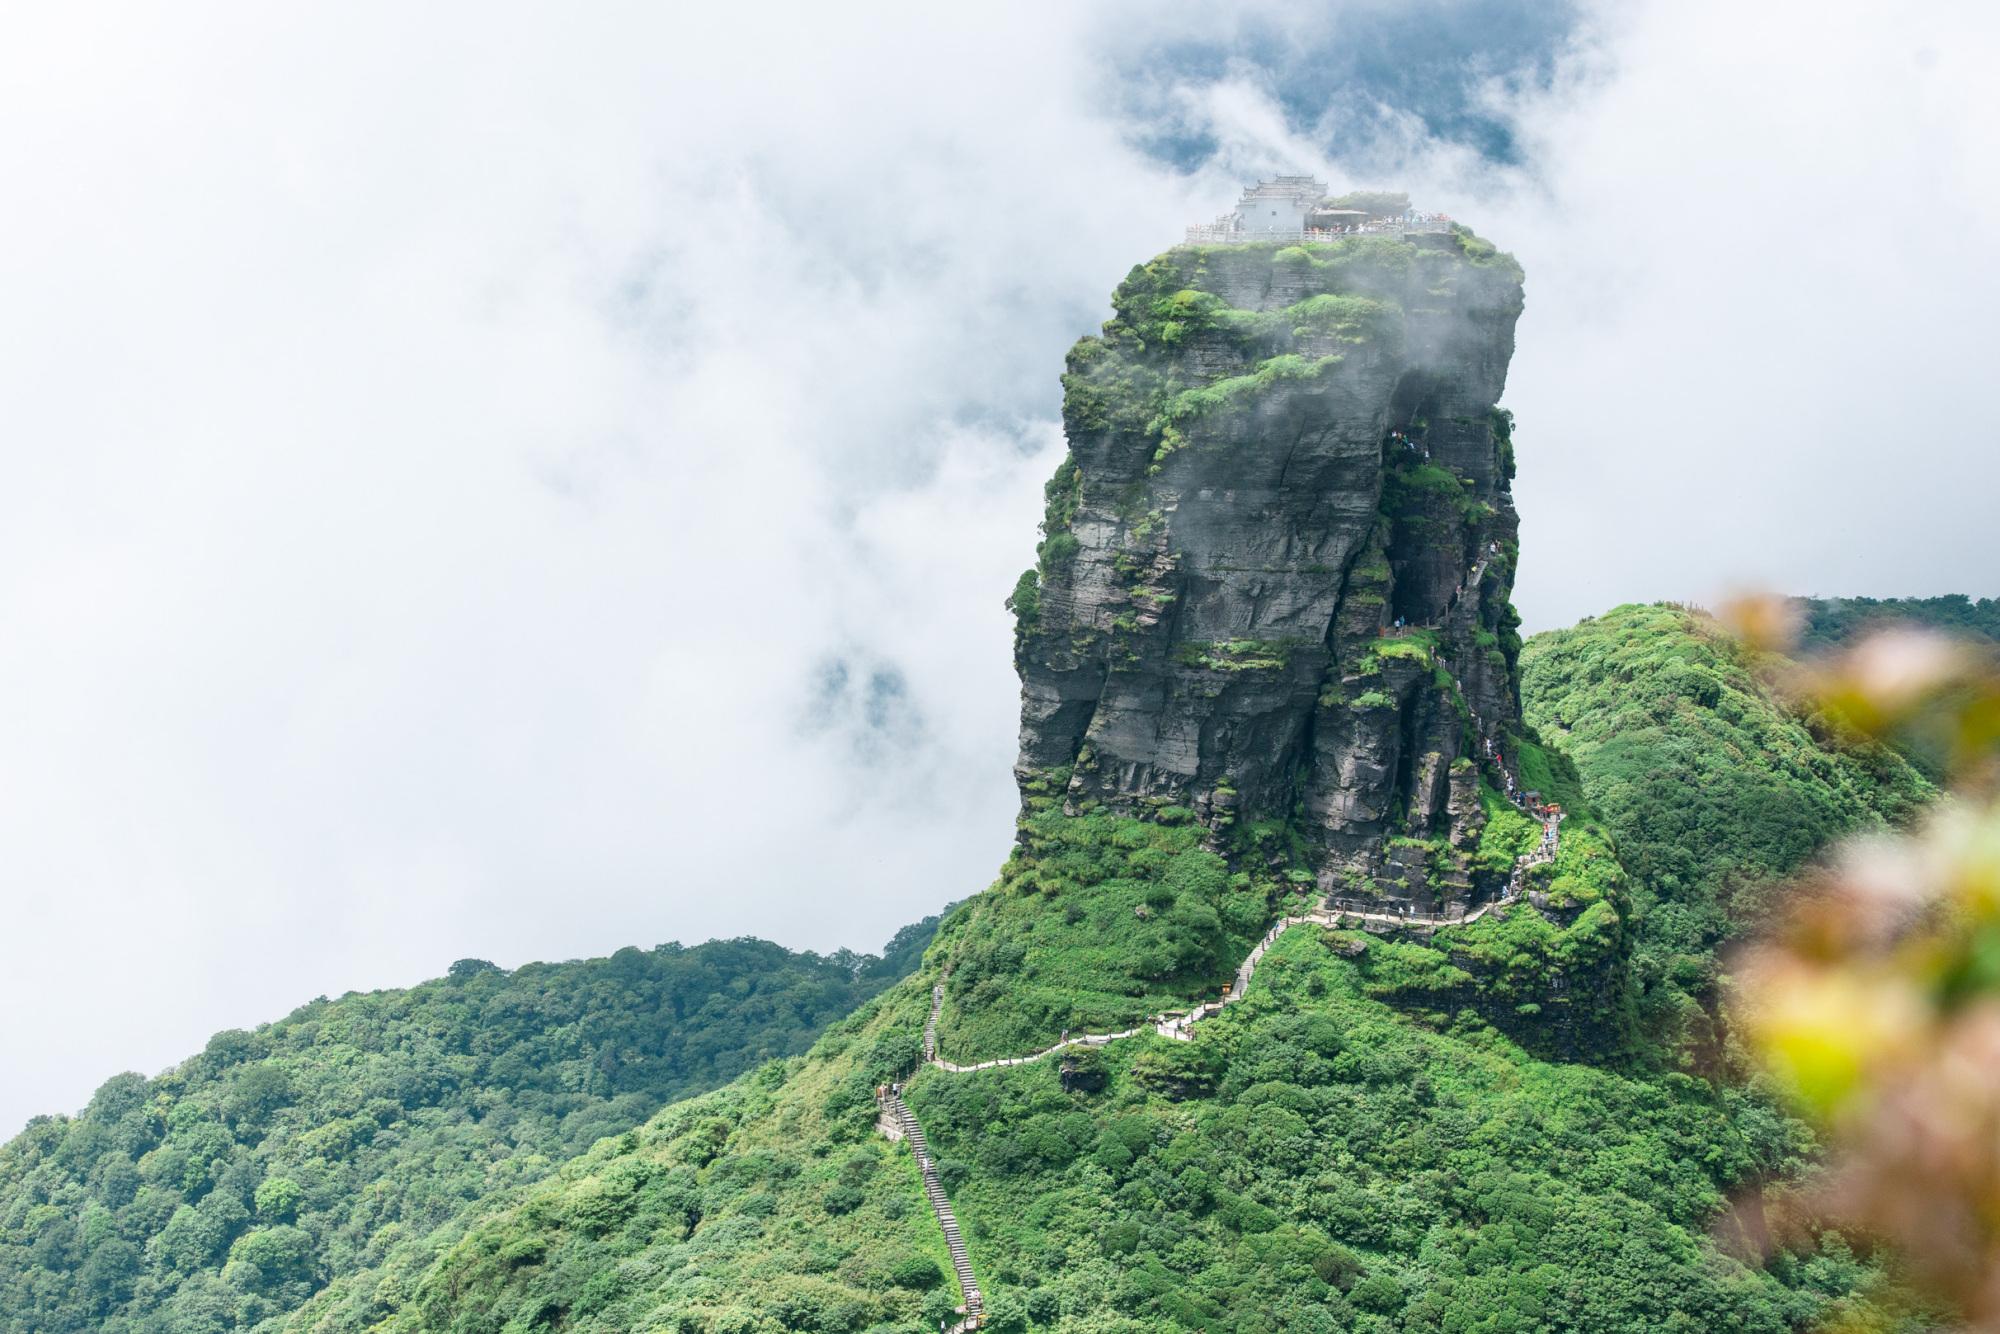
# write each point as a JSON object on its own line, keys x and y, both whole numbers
{"x": 484, "y": 486}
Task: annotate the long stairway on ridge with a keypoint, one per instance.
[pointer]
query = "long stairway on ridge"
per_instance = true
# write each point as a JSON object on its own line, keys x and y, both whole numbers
{"x": 947, "y": 1221}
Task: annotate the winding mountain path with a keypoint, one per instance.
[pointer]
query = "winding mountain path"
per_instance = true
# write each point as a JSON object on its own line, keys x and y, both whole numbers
{"x": 1175, "y": 1024}
{"x": 1178, "y": 1023}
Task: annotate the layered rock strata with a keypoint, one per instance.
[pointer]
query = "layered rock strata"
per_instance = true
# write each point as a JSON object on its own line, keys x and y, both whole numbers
{"x": 1272, "y": 589}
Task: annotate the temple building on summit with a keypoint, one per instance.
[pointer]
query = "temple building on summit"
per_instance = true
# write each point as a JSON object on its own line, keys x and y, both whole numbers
{"x": 1300, "y": 208}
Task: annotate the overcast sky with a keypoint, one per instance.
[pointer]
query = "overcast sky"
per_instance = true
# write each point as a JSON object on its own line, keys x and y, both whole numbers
{"x": 485, "y": 480}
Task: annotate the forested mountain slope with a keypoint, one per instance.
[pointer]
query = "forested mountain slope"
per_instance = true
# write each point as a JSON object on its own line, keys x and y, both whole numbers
{"x": 1318, "y": 1157}
{"x": 1713, "y": 785}
{"x": 337, "y": 1142}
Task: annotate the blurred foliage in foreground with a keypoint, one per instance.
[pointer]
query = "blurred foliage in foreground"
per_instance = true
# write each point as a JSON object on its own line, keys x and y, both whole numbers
{"x": 347, "y": 1138}
{"x": 1878, "y": 1000}
{"x": 1830, "y": 623}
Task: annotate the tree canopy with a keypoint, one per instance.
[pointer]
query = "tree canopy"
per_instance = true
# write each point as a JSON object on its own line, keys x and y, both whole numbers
{"x": 344, "y": 1140}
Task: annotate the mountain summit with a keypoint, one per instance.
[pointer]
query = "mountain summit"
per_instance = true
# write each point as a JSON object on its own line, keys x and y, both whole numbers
{"x": 1274, "y": 578}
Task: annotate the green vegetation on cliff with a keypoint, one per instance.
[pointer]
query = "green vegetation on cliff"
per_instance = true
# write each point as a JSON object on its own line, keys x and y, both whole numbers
{"x": 1552, "y": 977}
{"x": 342, "y": 1141}
{"x": 1144, "y": 374}
{"x": 1362, "y": 1144}
{"x": 1096, "y": 922}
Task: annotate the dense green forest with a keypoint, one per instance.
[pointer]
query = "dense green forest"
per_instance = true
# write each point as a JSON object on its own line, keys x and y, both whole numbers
{"x": 1369, "y": 1142}
{"x": 1831, "y": 622}
{"x": 343, "y": 1140}
{"x": 1713, "y": 785}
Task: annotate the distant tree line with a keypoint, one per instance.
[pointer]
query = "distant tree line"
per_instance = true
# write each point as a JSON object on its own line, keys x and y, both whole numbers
{"x": 347, "y": 1137}
{"x": 1833, "y": 622}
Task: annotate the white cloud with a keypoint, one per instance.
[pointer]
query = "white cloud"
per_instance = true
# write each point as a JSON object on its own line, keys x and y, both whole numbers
{"x": 1760, "y": 254}
{"x": 440, "y": 450}
{"x": 445, "y": 447}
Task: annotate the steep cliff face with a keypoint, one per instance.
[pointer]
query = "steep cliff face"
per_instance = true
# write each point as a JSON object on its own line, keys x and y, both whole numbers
{"x": 1273, "y": 586}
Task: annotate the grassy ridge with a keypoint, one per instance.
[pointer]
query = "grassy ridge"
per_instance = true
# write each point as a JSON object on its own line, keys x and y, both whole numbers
{"x": 1096, "y": 922}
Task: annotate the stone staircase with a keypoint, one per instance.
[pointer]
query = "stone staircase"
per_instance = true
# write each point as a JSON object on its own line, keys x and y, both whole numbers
{"x": 947, "y": 1221}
